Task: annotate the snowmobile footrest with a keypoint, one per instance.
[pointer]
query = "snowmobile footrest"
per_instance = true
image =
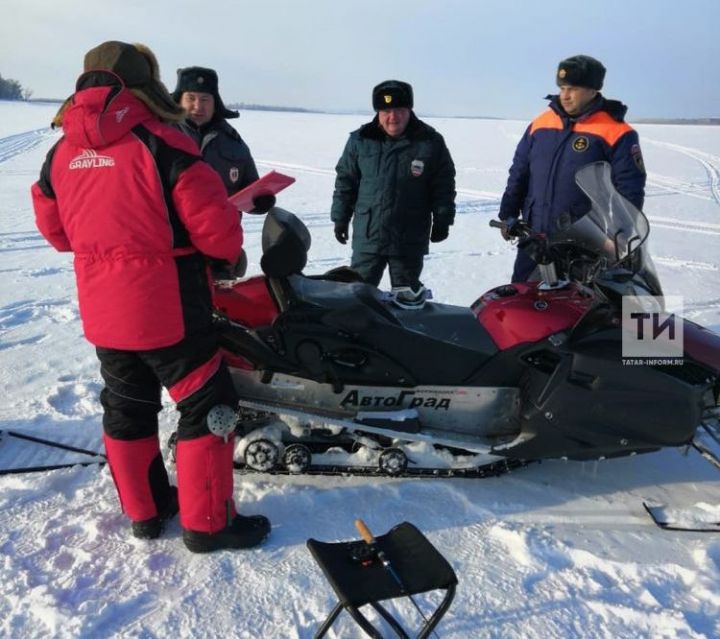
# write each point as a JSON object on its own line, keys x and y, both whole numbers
{"x": 406, "y": 426}
{"x": 401, "y": 563}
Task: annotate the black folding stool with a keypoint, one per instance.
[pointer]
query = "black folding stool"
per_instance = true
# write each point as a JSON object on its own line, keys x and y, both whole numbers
{"x": 417, "y": 563}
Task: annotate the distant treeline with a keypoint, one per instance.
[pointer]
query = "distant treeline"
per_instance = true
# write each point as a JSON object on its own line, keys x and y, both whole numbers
{"x": 264, "y": 107}
{"x": 13, "y": 90}
{"x": 676, "y": 120}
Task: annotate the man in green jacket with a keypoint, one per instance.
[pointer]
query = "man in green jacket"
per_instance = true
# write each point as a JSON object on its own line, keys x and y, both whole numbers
{"x": 396, "y": 180}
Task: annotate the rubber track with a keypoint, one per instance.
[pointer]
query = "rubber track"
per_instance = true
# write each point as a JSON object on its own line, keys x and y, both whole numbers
{"x": 495, "y": 469}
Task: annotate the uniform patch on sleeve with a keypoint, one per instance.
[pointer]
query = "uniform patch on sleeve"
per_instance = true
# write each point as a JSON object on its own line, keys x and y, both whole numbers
{"x": 637, "y": 157}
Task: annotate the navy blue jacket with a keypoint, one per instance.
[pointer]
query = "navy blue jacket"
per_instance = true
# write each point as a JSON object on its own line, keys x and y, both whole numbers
{"x": 541, "y": 186}
{"x": 394, "y": 189}
{"x": 223, "y": 149}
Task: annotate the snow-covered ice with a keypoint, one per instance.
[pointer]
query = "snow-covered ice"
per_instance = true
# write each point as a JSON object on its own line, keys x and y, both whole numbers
{"x": 558, "y": 549}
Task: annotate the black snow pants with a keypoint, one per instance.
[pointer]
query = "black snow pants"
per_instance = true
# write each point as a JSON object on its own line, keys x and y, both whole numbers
{"x": 192, "y": 371}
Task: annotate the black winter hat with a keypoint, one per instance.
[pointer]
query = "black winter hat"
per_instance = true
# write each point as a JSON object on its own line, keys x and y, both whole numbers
{"x": 392, "y": 94}
{"x": 202, "y": 80}
{"x": 581, "y": 71}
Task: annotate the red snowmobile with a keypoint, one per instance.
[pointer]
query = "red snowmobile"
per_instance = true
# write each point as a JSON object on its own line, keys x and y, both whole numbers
{"x": 530, "y": 371}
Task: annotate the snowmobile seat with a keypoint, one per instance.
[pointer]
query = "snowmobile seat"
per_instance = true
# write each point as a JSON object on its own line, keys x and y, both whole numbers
{"x": 337, "y": 296}
{"x": 285, "y": 244}
{"x": 439, "y": 342}
{"x": 339, "y": 274}
{"x": 358, "y": 576}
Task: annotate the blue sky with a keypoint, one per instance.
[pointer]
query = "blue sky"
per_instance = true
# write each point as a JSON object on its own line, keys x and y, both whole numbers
{"x": 463, "y": 57}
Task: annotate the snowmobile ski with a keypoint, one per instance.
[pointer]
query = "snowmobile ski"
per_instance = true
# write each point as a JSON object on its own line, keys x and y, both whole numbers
{"x": 700, "y": 518}
{"x": 707, "y": 443}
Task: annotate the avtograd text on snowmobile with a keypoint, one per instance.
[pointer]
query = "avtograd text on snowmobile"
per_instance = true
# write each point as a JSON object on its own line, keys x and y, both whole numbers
{"x": 530, "y": 371}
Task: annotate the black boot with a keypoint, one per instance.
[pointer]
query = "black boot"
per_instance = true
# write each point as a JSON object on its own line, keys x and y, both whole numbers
{"x": 153, "y": 527}
{"x": 242, "y": 532}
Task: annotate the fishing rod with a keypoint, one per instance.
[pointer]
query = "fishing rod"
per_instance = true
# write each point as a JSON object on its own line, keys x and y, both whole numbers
{"x": 99, "y": 458}
{"x": 370, "y": 540}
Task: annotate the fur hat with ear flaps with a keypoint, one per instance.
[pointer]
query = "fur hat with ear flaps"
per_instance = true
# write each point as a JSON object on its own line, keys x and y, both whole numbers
{"x": 202, "y": 80}
{"x": 392, "y": 94}
{"x": 137, "y": 67}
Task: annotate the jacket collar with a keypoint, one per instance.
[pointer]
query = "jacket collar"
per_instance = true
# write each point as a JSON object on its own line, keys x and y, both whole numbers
{"x": 213, "y": 127}
{"x": 614, "y": 108}
{"x": 416, "y": 129}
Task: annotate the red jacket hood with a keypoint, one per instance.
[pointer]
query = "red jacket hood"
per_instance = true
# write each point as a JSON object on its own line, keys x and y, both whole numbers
{"x": 101, "y": 115}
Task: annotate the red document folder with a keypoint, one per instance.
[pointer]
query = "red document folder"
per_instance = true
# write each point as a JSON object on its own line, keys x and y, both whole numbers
{"x": 269, "y": 184}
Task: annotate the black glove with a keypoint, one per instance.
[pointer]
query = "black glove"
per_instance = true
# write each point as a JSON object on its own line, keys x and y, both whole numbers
{"x": 263, "y": 203}
{"x": 222, "y": 270}
{"x": 440, "y": 231}
{"x": 240, "y": 267}
{"x": 506, "y": 230}
{"x": 341, "y": 232}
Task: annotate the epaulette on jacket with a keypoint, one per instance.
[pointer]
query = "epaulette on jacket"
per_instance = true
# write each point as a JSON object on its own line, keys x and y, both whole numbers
{"x": 229, "y": 130}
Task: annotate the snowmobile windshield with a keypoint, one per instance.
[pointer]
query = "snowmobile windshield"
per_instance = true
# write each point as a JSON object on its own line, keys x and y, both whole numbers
{"x": 613, "y": 228}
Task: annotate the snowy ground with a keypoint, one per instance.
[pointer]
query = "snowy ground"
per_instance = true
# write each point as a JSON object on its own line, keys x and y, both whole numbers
{"x": 560, "y": 549}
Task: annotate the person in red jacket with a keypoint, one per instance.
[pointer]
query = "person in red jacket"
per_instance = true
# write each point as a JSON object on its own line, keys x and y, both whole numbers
{"x": 130, "y": 196}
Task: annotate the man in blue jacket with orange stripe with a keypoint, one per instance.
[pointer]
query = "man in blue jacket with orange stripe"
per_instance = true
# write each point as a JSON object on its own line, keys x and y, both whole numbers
{"x": 580, "y": 127}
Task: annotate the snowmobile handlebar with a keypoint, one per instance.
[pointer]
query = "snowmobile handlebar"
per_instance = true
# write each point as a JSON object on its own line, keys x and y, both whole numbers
{"x": 536, "y": 245}
{"x": 514, "y": 227}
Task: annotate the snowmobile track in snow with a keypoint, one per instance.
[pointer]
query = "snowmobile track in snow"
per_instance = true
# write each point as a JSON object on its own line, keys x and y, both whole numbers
{"x": 490, "y": 199}
{"x": 704, "y": 228}
{"x": 20, "y": 143}
{"x": 711, "y": 164}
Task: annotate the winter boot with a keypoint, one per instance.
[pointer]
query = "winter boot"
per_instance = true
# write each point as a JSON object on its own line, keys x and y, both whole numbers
{"x": 205, "y": 487}
{"x": 242, "y": 532}
{"x": 153, "y": 527}
{"x": 409, "y": 298}
{"x": 142, "y": 483}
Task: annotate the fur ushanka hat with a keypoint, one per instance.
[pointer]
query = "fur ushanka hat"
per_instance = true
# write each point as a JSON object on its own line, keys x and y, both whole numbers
{"x": 137, "y": 67}
{"x": 202, "y": 80}
{"x": 581, "y": 71}
{"x": 392, "y": 94}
